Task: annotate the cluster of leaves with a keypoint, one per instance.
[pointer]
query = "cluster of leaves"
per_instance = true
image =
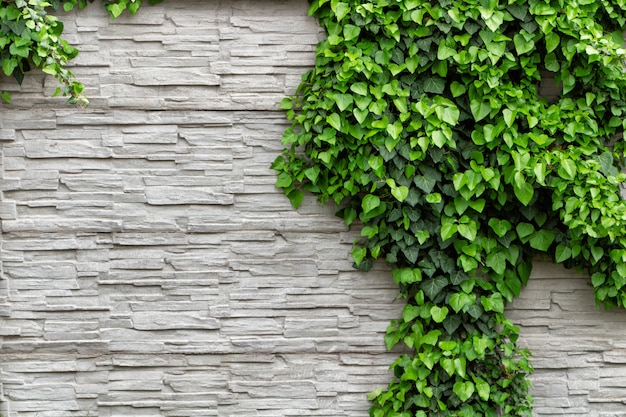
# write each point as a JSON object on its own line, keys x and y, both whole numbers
{"x": 422, "y": 120}
{"x": 31, "y": 36}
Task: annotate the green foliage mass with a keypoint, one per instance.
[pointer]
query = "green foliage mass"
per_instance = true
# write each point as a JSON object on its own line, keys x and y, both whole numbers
{"x": 423, "y": 121}
{"x": 31, "y": 35}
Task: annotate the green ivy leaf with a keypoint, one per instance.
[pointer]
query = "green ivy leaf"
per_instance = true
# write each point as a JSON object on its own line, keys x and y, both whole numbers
{"x": 497, "y": 262}
{"x": 452, "y": 323}
{"x": 483, "y": 388}
{"x": 335, "y": 121}
{"x": 433, "y": 287}
{"x": 542, "y": 239}
{"x": 448, "y": 230}
{"x": 523, "y": 45}
{"x": 562, "y": 253}
{"x": 344, "y": 101}
{"x": 359, "y": 88}
{"x": 340, "y": 9}
{"x": 400, "y": 193}
{"x": 480, "y": 109}
{"x": 369, "y": 203}
{"x": 438, "y": 314}
{"x": 295, "y": 197}
{"x": 524, "y": 193}
{"x": 358, "y": 254}
{"x": 463, "y": 390}
{"x": 494, "y": 302}
{"x": 435, "y": 85}
{"x": 552, "y": 41}
{"x": 351, "y": 32}
{"x": 500, "y": 227}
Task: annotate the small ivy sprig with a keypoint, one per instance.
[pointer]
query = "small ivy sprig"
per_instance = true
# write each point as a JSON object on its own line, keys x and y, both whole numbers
{"x": 31, "y": 35}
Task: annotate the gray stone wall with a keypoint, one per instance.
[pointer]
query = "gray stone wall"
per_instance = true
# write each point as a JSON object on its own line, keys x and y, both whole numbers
{"x": 150, "y": 268}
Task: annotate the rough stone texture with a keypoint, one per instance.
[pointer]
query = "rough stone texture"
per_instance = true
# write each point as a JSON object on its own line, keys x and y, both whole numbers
{"x": 150, "y": 268}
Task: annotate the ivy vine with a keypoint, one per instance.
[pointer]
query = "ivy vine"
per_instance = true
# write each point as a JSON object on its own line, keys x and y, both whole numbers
{"x": 31, "y": 35}
{"x": 423, "y": 121}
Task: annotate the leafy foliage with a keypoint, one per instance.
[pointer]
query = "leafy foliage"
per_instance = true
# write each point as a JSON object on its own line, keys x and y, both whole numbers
{"x": 31, "y": 35}
{"x": 423, "y": 121}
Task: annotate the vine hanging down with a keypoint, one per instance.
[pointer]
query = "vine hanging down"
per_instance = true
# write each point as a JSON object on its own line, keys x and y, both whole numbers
{"x": 31, "y": 35}
{"x": 423, "y": 122}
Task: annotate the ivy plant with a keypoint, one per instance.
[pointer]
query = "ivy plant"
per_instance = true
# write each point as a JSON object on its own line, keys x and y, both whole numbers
{"x": 30, "y": 35}
{"x": 423, "y": 121}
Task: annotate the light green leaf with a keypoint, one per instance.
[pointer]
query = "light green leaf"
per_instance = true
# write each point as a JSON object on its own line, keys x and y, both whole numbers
{"x": 439, "y": 138}
{"x": 406, "y": 275}
{"x": 551, "y": 62}
{"x": 562, "y": 253}
{"x": 463, "y": 390}
{"x": 358, "y": 254}
{"x": 448, "y": 230}
{"x": 360, "y": 115}
{"x": 343, "y": 101}
{"x": 509, "y": 117}
{"x": 457, "y": 89}
{"x": 284, "y": 180}
{"x": 482, "y": 387}
{"x": 400, "y": 193}
{"x": 334, "y": 120}
{"x": 438, "y": 314}
{"x": 497, "y": 262}
{"x": 115, "y": 9}
{"x": 522, "y": 45}
{"x": 468, "y": 231}
{"x": 395, "y": 129}
{"x": 480, "y": 109}
{"x": 359, "y": 88}
{"x": 500, "y": 227}
{"x": 341, "y": 9}
{"x": 567, "y": 169}
{"x": 371, "y": 396}
{"x": 431, "y": 337}
{"x": 459, "y": 300}
{"x": 524, "y": 193}
{"x": 9, "y": 65}
{"x": 460, "y": 365}
{"x": 552, "y": 41}
{"x": 542, "y": 239}
{"x": 524, "y": 230}
{"x": 448, "y": 365}
{"x": 351, "y": 32}
{"x": 494, "y": 302}
{"x": 434, "y": 198}
{"x": 448, "y": 114}
{"x": 370, "y": 202}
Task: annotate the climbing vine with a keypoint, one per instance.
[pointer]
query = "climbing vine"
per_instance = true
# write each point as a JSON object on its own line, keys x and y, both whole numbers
{"x": 423, "y": 122}
{"x": 31, "y": 35}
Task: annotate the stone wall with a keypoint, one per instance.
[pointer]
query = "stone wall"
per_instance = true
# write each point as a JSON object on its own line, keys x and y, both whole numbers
{"x": 150, "y": 268}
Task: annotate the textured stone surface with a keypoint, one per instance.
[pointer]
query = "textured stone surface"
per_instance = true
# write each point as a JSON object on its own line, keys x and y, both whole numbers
{"x": 150, "y": 268}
